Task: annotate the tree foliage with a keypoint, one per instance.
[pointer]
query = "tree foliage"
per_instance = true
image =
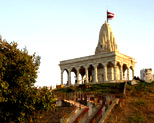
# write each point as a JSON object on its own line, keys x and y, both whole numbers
{"x": 20, "y": 100}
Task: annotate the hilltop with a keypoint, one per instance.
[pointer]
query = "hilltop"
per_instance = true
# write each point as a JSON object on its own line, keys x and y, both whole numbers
{"x": 136, "y": 107}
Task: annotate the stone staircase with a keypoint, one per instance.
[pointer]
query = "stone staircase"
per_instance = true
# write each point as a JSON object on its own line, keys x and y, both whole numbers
{"x": 91, "y": 113}
{"x": 76, "y": 114}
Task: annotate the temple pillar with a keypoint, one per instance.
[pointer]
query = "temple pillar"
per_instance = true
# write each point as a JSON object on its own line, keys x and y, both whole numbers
{"x": 133, "y": 73}
{"x": 112, "y": 73}
{"x": 86, "y": 69}
{"x": 62, "y": 77}
{"x": 128, "y": 73}
{"x": 69, "y": 77}
{"x": 95, "y": 74}
{"x": 105, "y": 73}
{"x": 115, "y": 72}
{"x": 121, "y": 73}
{"x": 78, "y": 69}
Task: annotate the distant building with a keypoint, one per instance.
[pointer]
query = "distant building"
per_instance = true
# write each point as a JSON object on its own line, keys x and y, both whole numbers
{"x": 146, "y": 75}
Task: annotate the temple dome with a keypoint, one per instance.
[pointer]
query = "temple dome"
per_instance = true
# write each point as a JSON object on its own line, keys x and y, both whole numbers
{"x": 106, "y": 42}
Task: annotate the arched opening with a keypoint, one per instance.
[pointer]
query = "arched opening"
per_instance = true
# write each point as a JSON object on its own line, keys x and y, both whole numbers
{"x": 100, "y": 72}
{"x": 91, "y": 73}
{"x": 110, "y": 71}
{"x": 65, "y": 77}
{"x": 73, "y": 76}
{"x": 125, "y": 72}
{"x": 82, "y": 75}
{"x": 118, "y": 66}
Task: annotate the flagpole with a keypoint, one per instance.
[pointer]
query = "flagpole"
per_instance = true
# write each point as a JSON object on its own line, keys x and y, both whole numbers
{"x": 106, "y": 16}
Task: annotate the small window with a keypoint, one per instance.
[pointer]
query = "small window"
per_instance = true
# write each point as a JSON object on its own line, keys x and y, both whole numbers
{"x": 101, "y": 46}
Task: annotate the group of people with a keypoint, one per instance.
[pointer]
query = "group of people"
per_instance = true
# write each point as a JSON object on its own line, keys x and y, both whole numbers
{"x": 76, "y": 81}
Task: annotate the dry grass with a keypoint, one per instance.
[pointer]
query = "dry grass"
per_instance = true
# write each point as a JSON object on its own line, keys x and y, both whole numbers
{"x": 136, "y": 107}
{"x": 55, "y": 116}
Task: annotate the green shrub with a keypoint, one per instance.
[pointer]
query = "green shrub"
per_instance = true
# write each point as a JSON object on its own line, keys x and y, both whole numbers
{"x": 19, "y": 99}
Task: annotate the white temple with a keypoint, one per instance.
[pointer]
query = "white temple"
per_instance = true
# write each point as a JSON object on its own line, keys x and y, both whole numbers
{"x": 106, "y": 65}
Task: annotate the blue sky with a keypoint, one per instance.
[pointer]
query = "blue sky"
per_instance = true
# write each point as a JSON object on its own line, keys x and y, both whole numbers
{"x": 65, "y": 29}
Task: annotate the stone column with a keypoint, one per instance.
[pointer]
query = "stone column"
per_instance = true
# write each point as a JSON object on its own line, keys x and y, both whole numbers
{"x": 78, "y": 75}
{"x": 95, "y": 74}
{"x": 133, "y": 73}
{"x": 105, "y": 73}
{"x": 128, "y": 73}
{"x": 121, "y": 73}
{"x": 86, "y": 68}
{"x": 115, "y": 72}
{"x": 69, "y": 77}
{"x": 62, "y": 77}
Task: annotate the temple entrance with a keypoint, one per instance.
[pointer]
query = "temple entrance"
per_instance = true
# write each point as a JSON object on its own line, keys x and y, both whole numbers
{"x": 73, "y": 76}
{"x": 65, "y": 77}
{"x": 100, "y": 73}
{"x": 82, "y": 75}
{"x": 91, "y": 73}
{"x": 118, "y": 67}
{"x": 125, "y": 72}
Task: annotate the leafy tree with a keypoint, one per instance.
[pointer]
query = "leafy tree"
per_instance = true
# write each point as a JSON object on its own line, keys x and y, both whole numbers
{"x": 20, "y": 100}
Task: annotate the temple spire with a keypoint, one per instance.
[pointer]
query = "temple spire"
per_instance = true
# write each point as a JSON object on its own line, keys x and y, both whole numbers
{"x": 106, "y": 42}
